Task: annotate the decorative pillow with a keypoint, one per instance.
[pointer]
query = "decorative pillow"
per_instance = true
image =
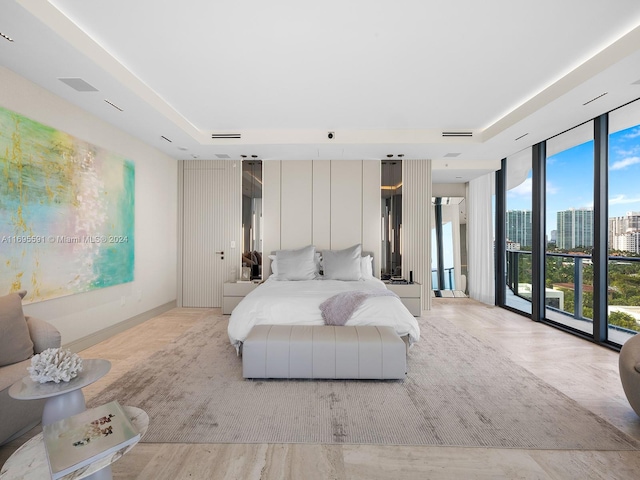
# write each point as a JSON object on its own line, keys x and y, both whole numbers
{"x": 366, "y": 267}
{"x": 297, "y": 264}
{"x": 15, "y": 341}
{"x": 274, "y": 265}
{"x": 342, "y": 264}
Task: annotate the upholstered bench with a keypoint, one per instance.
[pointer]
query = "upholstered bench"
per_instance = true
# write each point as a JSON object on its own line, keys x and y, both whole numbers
{"x": 301, "y": 351}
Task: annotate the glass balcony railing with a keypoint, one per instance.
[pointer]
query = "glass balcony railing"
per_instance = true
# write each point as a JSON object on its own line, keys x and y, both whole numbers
{"x": 569, "y": 291}
{"x": 449, "y": 282}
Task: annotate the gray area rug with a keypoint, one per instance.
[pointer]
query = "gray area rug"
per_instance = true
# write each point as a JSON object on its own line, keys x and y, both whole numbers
{"x": 458, "y": 392}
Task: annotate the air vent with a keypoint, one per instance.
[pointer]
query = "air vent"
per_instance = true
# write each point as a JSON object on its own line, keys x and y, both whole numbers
{"x": 452, "y": 154}
{"x": 216, "y": 136}
{"x": 457, "y": 134}
{"x": 594, "y": 99}
{"x": 521, "y": 136}
{"x": 78, "y": 84}
{"x": 165, "y": 138}
{"x": 222, "y": 155}
{"x": 114, "y": 105}
{"x": 6, "y": 37}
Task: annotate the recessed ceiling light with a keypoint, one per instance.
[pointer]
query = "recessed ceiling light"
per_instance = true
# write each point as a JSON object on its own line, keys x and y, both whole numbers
{"x": 194, "y": 156}
{"x": 243, "y": 156}
{"x": 389, "y": 155}
{"x": 184, "y": 149}
{"x": 6, "y": 37}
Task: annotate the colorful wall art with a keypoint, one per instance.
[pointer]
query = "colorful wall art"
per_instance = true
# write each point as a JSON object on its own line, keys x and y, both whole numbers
{"x": 66, "y": 212}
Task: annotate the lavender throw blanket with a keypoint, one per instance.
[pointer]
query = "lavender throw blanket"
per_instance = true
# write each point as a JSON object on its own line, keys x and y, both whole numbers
{"x": 338, "y": 309}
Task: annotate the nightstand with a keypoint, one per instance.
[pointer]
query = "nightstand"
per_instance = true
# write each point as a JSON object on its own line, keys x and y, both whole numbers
{"x": 232, "y": 293}
{"x": 410, "y": 294}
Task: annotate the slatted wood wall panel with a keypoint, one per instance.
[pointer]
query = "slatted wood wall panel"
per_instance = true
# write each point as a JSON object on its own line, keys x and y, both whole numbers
{"x": 211, "y": 221}
{"x": 416, "y": 224}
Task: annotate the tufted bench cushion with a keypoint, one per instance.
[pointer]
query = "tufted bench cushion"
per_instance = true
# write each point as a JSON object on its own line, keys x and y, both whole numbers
{"x": 303, "y": 351}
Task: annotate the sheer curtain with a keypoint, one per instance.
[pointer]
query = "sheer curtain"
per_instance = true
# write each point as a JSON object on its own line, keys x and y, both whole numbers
{"x": 481, "y": 269}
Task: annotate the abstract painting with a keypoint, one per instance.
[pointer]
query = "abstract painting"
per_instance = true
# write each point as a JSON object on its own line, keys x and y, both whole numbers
{"x": 66, "y": 212}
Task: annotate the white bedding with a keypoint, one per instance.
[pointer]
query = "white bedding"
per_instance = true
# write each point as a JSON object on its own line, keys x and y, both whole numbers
{"x": 298, "y": 303}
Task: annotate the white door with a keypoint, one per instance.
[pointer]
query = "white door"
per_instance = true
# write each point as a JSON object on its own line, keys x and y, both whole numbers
{"x": 211, "y": 223}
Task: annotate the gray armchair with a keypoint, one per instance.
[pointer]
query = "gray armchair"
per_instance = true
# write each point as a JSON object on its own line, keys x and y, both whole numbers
{"x": 20, "y": 338}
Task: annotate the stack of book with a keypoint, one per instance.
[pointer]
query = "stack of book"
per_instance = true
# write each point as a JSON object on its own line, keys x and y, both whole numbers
{"x": 75, "y": 442}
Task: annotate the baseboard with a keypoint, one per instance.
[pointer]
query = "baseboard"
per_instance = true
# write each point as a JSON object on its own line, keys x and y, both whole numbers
{"x": 104, "y": 334}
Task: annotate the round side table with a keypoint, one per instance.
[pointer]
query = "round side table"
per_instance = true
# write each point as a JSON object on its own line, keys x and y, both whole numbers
{"x": 30, "y": 462}
{"x": 65, "y": 398}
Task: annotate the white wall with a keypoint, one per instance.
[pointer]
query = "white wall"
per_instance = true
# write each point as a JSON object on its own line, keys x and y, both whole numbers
{"x": 80, "y": 315}
{"x": 331, "y": 204}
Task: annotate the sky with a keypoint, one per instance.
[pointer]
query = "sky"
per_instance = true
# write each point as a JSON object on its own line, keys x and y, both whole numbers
{"x": 570, "y": 178}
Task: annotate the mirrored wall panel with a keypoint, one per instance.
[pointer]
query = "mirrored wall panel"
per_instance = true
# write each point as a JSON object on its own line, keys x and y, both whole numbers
{"x": 391, "y": 219}
{"x": 251, "y": 219}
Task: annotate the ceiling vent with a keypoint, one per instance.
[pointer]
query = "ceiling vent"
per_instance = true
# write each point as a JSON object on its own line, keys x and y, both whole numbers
{"x": 217, "y": 136}
{"x": 78, "y": 84}
{"x": 594, "y": 99}
{"x": 457, "y": 134}
{"x": 452, "y": 154}
{"x": 222, "y": 155}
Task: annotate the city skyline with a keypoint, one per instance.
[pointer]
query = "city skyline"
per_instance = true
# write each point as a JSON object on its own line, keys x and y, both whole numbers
{"x": 570, "y": 179}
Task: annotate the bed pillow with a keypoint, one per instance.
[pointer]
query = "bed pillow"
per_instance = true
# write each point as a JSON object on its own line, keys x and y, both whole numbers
{"x": 366, "y": 267}
{"x": 15, "y": 341}
{"x": 297, "y": 264}
{"x": 342, "y": 264}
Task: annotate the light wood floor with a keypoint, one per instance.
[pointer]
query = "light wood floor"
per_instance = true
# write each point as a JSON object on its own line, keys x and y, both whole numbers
{"x": 583, "y": 371}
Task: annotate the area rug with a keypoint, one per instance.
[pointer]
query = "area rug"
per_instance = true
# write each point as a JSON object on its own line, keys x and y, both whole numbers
{"x": 458, "y": 392}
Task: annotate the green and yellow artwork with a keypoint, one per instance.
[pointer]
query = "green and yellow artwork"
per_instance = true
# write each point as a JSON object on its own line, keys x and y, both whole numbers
{"x": 66, "y": 212}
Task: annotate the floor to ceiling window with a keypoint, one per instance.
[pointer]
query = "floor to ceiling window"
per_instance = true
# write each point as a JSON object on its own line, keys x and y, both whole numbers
{"x": 518, "y": 231}
{"x": 569, "y": 229}
{"x": 623, "y": 293}
{"x": 584, "y": 205}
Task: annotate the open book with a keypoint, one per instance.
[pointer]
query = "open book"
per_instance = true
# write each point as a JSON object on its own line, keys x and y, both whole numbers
{"x": 82, "y": 439}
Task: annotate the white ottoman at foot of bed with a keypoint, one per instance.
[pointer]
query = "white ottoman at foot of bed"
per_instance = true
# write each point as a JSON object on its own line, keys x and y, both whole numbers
{"x": 345, "y": 352}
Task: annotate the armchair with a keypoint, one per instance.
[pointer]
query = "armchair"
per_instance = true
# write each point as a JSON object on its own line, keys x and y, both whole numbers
{"x": 20, "y": 338}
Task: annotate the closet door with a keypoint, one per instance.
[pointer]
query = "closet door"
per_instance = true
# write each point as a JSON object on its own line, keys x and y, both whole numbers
{"x": 212, "y": 209}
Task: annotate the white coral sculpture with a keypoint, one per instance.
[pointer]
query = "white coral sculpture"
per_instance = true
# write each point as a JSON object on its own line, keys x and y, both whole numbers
{"x": 55, "y": 365}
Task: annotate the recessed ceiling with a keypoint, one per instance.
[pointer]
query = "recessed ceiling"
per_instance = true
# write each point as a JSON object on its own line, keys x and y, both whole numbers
{"x": 226, "y": 78}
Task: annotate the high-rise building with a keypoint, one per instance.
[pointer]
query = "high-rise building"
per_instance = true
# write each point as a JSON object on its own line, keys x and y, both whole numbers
{"x": 519, "y": 227}
{"x": 575, "y": 228}
{"x": 624, "y": 232}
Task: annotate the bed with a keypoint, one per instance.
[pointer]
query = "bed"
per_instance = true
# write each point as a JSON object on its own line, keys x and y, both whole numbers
{"x": 294, "y": 294}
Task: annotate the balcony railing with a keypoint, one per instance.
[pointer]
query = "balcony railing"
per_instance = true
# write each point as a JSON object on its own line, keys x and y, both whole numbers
{"x": 569, "y": 285}
{"x": 449, "y": 282}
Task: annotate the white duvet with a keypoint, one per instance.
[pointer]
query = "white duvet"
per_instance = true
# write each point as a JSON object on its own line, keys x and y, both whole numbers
{"x": 298, "y": 303}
